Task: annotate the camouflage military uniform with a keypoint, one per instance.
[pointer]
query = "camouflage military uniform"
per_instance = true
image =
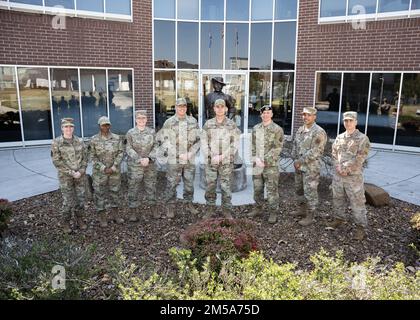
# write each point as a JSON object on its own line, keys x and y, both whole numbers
{"x": 350, "y": 152}
{"x": 308, "y": 148}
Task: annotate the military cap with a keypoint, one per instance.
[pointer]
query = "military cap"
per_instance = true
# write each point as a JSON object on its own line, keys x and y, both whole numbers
{"x": 67, "y": 122}
{"x": 141, "y": 113}
{"x": 181, "y": 102}
{"x": 103, "y": 120}
{"x": 309, "y": 110}
{"x": 267, "y": 107}
{"x": 219, "y": 80}
{"x": 220, "y": 101}
{"x": 350, "y": 115}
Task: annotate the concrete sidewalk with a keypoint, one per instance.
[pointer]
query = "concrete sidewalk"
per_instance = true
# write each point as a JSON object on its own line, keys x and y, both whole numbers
{"x": 27, "y": 172}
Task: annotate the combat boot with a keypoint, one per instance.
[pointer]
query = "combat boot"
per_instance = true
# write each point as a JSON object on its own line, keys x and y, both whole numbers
{"x": 309, "y": 218}
{"x": 227, "y": 213}
{"x": 273, "y": 217}
{"x": 191, "y": 209}
{"x": 79, "y": 220}
{"x": 255, "y": 212}
{"x": 360, "y": 233}
{"x": 170, "y": 211}
{"x": 133, "y": 215}
{"x": 336, "y": 223}
{"x": 301, "y": 212}
{"x": 102, "y": 219}
{"x": 66, "y": 225}
{"x": 115, "y": 216}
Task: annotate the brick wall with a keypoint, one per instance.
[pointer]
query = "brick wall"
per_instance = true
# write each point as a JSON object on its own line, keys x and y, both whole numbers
{"x": 385, "y": 45}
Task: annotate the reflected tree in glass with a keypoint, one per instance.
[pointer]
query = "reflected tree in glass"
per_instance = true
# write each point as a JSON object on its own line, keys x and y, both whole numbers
{"x": 282, "y": 100}
{"x": 164, "y": 96}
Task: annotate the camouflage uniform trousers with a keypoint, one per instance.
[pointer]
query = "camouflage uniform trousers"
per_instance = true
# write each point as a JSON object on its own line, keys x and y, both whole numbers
{"x": 73, "y": 193}
{"x": 106, "y": 187}
{"x": 224, "y": 171}
{"x": 268, "y": 176}
{"x": 351, "y": 187}
{"x": 174, "y": 174}
{"x": 306, "y": 184}
{"x": 136, "y": 175}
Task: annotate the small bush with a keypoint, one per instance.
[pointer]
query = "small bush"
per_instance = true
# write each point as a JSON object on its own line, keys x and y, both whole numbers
{"x": 5, "y": 213}
{"x": 415, "y": 221}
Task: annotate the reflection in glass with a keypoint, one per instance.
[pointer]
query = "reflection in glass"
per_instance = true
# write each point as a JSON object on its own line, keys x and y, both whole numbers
{"x": 408, "y": 130}
{"x": 68, "y": 4}
{"x": 209, "y": 96}
{"x": 415, "y": 5}
{"x": 284, "y": 46}
{"x": 383, "y": 107}
{"x": 35, "y": 103}
{"x": 369, "y": 6}
{"x": 393, "y": 5}
{"x": 118, "y": 7}
{"x": 236, "y": 46}
{"x": 282, "y": 100}
{"x": 259, "y": 95}
{"x": 164, "y": 44}
{"x": 261, "y": 46}
{"x": 91, "y": 5}
{"x": 286, "y": 9}
{"x": 212, "y": 45}
{"x": 212, "y": 10}
{"x": 33, "y": 2}
{"x": 164, "y": 9}
{"x": 65, "y": 98}
{"x": 188, "y": 45}
{"x": 262, "y": 10}
{"x": 164, "y": 96}
{"x": 333, "y": 8}
{"x": 188, "y": 9}
{"x": 237, "y": 10}
{"x": 9, "y": 107}
{"x": 188, "y": 89}
{"x": 327, "y": 101}
{"x": 120, "y": 90}
{"x": 94, "y": 104}
{"x": 235, "y": 86}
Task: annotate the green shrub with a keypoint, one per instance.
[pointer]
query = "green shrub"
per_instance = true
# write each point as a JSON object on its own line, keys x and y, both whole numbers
{"x": 5, "y": 213}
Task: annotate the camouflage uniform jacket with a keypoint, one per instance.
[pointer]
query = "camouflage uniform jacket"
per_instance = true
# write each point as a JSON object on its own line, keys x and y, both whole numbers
{"x": 140, "y": 144}
{"x": 351, "y": 151}
{"x": 308, "y": 147}
{"x": 69, "y": 155}
{"x": 106, "y": 152}
{"x": 267, "y": 143}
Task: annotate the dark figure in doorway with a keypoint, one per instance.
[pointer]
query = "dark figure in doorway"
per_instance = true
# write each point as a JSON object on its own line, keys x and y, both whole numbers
{"x": 334, "y": 99}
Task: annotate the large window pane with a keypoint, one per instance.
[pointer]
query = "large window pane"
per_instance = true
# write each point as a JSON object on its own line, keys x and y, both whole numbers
{"x": 286, "y": 9}
{"x": 261, "y": 46}
{"x": 393, "y": 5}
{"x": 408, "y": 133}
{"x": 91, "y": 5}
{"x": 188, "y": 9}
{"x": 120, "y": 90}
{"x": 118, "y": 7}
{"x": 262, "y": 10}
{"x": 65, "y": 98}
{"x": 94, "y": 105}
{"x": 327, "y": 101}
{"x": 188, "y": 45}
{"x": 164, "y": 9}
{"x": 259, "y": 95}
{"x": 333, "y": 8}
{"x": 383, "y": 107}
{"x": 282, "y": 100}
{"x": 237, "y": 46}
{"x": 284, "y": 46}
{"x": 35, "y": 103}
{"x": 212, "y": 10}
{"x": 164, "y": 44}
{"x": 212, "y": 45}
{"x": 68, "y": 4}
{"x": 188, "y": 89}
{"x": 237, "y": 10}
{"x": 164, "y": 96}
{"x": 415, "y": 5}
{"x": 9, "y": 107}
{"x": 33, "y": 2}
{"x": 369, "y": 6}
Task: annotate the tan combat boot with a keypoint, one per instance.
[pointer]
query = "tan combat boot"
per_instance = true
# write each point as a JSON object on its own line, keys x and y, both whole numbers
{"x": 360, "y": 233}
{"x": 115, "y": 216}
{"x": 79, "y": 220}
{"x": 102, "y": 219}
{"x": 273, "y": 217}
{"x": 336, "y": 223}
{"x": 301, "y": 212}
{"x": 255, "y": 212}
{"x": 309, "y": 218}
{"x": 227, "y": 213}
{"x": 66, "y": 225}
{"x": 133, "y": 215}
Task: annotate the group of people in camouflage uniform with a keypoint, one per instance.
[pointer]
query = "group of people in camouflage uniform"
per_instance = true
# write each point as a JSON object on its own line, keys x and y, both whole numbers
{"x": 179, "y": 141}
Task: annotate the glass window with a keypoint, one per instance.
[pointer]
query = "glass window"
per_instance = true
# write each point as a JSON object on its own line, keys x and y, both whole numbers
{"x": 164, "y": 96}
{"x": 120, "y": 90}
{"x": 327, "y": 101}
{"x": 393, "y": 5}
{"x": 94, "y": 105}
{"x": 259, "y": 95}
{"x": 65, "y": 98}
{"x": 235, "y": 87}
{"x": 35, "y": 103}
{"x": 188, "y": 89}
{"x": 415, "y": 5}
{"x": 164, "y": 44}
{"x": 237, "y": 10}
{"x": 118, "y": 7}
{"x": 187, "y": 45}
{"x": 212, "y": 9}
{"x": 284, "y": 46}
{"x": 362, "y": 7}
{"x": 286, "y": 9}
{"x": 333, "y": 8}
{"x": 261, "y": 46}
{"x": 9, "y": 107}
{"x": 91, "y": 5}
{"x": 164, "y": 9}
{"x": 68, "y": 4}
{"x": 212, "y": 45}
{"x": 408, "y": 130}
{"x": 188, "y": 9}
{"x": 262, "y": 10}
{"x": 33, "y": 2}
{"x": 383, "y": 107}
{"x": 236, "y": 46}
{"x": 282, "y": 100}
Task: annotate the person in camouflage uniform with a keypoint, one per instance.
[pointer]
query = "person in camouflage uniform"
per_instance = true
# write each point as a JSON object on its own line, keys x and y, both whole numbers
{"x": 106, "y": 151}
{"x": 267, "y": 143}
{"x": 182, "y": 134}
{"x": 308, "y": 148}
{"x": 140, "y": 149}
{"x": 349, "y": 152}
{"x": 219, "y": 142}
{"x": 69, "y": 156}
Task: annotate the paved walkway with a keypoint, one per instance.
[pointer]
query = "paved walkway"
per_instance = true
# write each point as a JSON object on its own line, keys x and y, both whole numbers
{"x": 27, "y": 172}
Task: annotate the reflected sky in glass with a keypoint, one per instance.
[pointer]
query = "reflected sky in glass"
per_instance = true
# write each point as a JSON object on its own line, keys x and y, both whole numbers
{"x": 286, "y": 9}
{"x": 68, "y": 4}
{"x": 188, "y": 45}
{"x": 333, "y": 8}
{"x": 91, "y": 5}
{"x": 236, "y": 46}
{"x": 261, "y": 46}
{"x": 164, "y": 9}
{"x": 212, "y": 10}
{"x": 284, "y": 45}
{"x": 237, "y": 10}
{"x": 188, "y": 9}
{"x": 118, "y": 7}
{"x": 368, "y": 5}
{"x": 164, "y": 44}
{"x": 393, "y": 5}
{"x": 262, "y": 10}
{"x": 211, "y": 46}
{"x": 33, "y": 2}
